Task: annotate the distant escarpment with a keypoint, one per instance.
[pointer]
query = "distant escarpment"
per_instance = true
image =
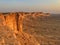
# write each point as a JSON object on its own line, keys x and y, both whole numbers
{"x": 11, "y": 28}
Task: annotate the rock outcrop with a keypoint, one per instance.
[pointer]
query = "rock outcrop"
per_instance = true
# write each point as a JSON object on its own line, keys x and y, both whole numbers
{"x": 11, "y": 30}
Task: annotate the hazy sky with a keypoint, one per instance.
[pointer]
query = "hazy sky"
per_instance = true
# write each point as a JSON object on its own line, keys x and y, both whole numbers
{"x": 52, "y": 6}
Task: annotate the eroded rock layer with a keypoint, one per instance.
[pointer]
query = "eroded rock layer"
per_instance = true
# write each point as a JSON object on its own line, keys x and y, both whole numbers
{"x": 11, "y": 30}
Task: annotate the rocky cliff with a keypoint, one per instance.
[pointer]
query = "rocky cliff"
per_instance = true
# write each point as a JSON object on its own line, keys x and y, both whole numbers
{"x": 11, "y": 30}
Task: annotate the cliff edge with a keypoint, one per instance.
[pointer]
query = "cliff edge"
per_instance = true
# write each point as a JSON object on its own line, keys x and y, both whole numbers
{"x": 11, "y": 30}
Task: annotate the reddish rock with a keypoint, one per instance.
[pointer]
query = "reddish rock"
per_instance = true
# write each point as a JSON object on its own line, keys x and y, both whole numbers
{"x": 11, "y": 28}
{"x": 11, "y": 21}
{"x": 2, "y": 20}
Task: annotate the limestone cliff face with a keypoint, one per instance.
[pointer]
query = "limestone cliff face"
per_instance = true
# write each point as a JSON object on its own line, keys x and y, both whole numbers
{"x": 15, "y": 20}
{"x": 11, "y": 30}
{"x": 2, "y": 20}
{"x": 11, "y": 21}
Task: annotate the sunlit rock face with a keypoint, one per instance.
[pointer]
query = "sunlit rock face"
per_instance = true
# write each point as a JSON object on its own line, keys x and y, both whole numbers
{"x": 7, "y": 36}
{"x": 11, "y": 30}
{"x": 11, "y": 21}
{"x": 2, "y": 20}
{"x": 14, "y": 20}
